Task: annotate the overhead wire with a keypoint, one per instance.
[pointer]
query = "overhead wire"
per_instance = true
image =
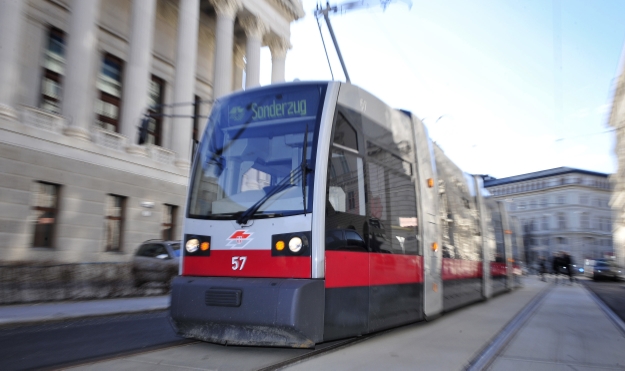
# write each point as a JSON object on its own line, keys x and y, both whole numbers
{"x": 324, "y": 47}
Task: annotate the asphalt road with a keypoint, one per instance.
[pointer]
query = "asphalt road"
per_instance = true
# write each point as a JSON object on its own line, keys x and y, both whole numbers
{"x": 612, "y": 293}
{"x": 55, "y": 345}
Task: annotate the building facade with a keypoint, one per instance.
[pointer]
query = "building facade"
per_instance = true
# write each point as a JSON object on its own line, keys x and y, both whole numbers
{"x": 77, "y": 77}
{"x": 617, "y": 121}
{"x": 562, "y": 209}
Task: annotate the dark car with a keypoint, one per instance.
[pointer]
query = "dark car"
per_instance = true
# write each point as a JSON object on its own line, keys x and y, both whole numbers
{"x": 604, "y": 269}
{"x": 156, "y": 261}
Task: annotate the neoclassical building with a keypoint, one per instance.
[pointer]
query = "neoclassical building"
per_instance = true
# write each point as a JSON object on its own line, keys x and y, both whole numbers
{"x": 561, "y": 209}
{"x": 617, "y": 121}
{"x": 76, "y": 79}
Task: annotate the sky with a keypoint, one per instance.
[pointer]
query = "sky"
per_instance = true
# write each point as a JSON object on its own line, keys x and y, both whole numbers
{"x": 505, "y": 87}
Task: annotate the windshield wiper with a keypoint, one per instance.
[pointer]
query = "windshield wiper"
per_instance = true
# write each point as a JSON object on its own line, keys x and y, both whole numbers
{"x": 284, "y": 184}
{"x": 304, "y": 167}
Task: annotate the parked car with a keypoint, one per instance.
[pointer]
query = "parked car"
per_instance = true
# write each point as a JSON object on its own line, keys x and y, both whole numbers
{"x": 156, "y": 261}
{"x": 604, "y": 268}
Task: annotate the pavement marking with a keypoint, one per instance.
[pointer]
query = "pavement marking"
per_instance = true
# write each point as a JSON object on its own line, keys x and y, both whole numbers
{"x": 611, "y": 315}
{"x": 488, "y": 354}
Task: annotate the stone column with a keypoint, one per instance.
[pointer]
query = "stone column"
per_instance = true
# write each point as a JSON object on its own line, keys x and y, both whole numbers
{"x": 184, "y": 85}
{"x": 254, "y": 30}
{"x": 77, "y": 105}
{"x": 239, "y": 66}
{"x": 278, "y": 47}
{"x": 137, "y": 71}
{"x": 224, "y": 35}
{"x": 10, "y": 27}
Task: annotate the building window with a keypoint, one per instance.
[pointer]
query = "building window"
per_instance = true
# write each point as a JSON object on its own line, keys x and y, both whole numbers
{"x": 561, "y": 221}
{"x": 351, "y": 200}
{"x": 561, "y": 199}
{"x": 46, "y": 208}
{"x": 596, "y": 223}
{"x": 53, "y": 69}
{"x": 583, "y": 199}
{"x": 110, "y": 86}
{"x": 115, "y": 210}
{"x": 545, "y": 223}
{"x": 522, "y": 205}
{"x": 169, "y": 222}
{"x": 532, "y": 204}
{"x": 156, "y": 98}
{"x": 543, "y": 202}
{"x": 584, "y": 221}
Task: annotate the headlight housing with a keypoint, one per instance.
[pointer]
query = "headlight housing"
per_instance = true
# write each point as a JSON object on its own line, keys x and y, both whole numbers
{"x": 197, "y": 245}
{"x": 295, "y": 244}
{"x": 291, "y": 244}
{"x": 192, "y": 245}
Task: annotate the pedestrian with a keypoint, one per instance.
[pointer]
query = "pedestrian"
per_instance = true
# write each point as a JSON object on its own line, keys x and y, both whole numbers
{"x": 567, "y": 262}
{"x": 542, "y": 269}
{"x": 555, "y": 266}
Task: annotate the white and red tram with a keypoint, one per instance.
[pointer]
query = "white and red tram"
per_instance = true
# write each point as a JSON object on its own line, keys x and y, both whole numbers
{"x": 316, "y": 212}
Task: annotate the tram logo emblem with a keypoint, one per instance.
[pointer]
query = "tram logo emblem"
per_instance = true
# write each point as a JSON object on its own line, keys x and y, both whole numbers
{"x": 236, "y": 113}
{"x": 239, "y": 239}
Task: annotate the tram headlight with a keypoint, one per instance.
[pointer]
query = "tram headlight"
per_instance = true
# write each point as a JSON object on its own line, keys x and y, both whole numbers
{"x": 192, "y": 245}
{"x": 291, "y": 244}
{"x": 295, "y": 244}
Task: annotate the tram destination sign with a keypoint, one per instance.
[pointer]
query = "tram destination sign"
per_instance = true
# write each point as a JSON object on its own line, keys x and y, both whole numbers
{"x": 274, "y": 105}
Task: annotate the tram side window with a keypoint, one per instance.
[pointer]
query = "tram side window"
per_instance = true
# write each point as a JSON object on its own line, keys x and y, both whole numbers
{"x": 499, "y": 235}
{"x": 344, "y": 133}
{"x": 393, "y": 203}
{"x": 460, "y": 227}
{"x": 345, "y": 196}
{"x": 345, "y": 206}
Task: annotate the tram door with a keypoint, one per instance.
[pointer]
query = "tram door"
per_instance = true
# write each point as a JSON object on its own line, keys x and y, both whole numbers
{"x": 347, "y": 257}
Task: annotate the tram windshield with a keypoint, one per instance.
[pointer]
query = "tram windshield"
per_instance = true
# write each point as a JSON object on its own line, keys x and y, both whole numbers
{"x": 256, "y": 155}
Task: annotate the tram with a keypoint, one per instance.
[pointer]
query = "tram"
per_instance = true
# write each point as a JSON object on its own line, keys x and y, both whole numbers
{"x": 316, "y": 212}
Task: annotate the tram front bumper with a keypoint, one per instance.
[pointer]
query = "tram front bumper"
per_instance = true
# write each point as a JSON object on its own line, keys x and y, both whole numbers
{"x": 249, "y": 311}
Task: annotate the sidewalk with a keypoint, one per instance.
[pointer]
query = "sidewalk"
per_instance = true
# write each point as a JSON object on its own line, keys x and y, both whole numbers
{"x": 44, "y": 312}
{"x": 568, "y": 331}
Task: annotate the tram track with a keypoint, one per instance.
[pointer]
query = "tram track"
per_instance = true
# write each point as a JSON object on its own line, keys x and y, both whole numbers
{"x": 322, "y": 349}
{"x": 489, "y": 353}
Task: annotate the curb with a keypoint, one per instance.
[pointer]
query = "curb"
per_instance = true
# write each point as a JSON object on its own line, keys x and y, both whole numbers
{"x": 66, "y": 317}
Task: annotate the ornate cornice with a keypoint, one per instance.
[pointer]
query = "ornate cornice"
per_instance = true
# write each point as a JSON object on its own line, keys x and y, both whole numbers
{"x": 294, "y": 8}
{"x": 228, "y": 8}
{"x": 278, "y": 45}
{"x": 253, "y": 26}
